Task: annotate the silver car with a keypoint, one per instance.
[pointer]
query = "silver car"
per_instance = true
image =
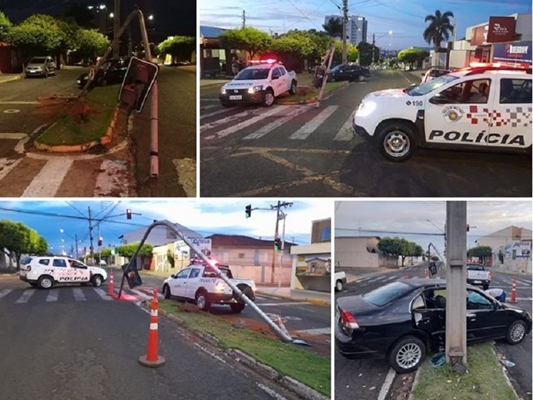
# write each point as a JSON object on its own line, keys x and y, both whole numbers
{"x": 40, "y": 66}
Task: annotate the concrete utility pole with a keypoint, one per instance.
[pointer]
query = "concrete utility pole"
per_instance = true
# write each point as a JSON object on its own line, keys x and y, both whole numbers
{"x": 91, "y": 248}
{"x": 456, "y": 284}
{"x": 244, "y": 18}
{"x": 116, "y": 27}
{"x": 373, "y": 46}
{"x": 276, "y": 234}
{"x": 344, "y": 24}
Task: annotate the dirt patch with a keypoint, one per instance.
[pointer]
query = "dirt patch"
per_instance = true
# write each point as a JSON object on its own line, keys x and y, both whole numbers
{"x": 402, "y": 386}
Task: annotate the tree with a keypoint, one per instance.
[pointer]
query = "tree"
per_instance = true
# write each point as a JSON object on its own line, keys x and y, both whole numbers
{"x": 480, "y": 252}
{"x": 439, "y": 28}
{"x": 5, "y": 26}
{"x": 352, "y": 54}
{"x": 333, "y": 27}
{"x": 399, "y": 247}
{"x": 412, "y": 55}
{"x": 17, "y": 239}
{"x": 249, "y": 39}
{"x": 365, "y": 53}
{"x": 90, "y": 43}
{"x": 106, "y": 253}
{"x": 179, "y": 47}
{"x": 127, "y": 250}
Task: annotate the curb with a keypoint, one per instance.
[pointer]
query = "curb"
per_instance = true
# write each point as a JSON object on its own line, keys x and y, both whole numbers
{"x": 104, "y": 140}
{"x": 242, "y": 358}
{"x": 309, "y": 300}
{"x": 14, "y": 78}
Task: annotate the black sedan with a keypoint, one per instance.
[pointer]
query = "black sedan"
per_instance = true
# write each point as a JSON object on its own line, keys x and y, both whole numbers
{"x": 404, "y": 320}
{"x": 111, "y": 71}
{"x": 347, "y": 72}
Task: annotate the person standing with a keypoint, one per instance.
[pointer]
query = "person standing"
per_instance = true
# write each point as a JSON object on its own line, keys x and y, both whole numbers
{"x": 235, "y": 66}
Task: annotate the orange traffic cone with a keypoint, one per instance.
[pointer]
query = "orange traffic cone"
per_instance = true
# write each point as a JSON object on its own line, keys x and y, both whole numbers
{"x": 425, "y": 273}
{"x": 152, "y": 359}
{"x": 513, "y": 292}
{"x": 110, "y": 290}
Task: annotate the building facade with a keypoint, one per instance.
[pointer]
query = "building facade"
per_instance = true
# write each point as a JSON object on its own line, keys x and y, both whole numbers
{"x": 356, "y": 28}
{"x": 361, "y": 252}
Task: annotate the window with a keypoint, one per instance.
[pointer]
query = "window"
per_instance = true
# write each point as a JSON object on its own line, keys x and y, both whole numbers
{"x": 26, "y": 260}
{"x": 59, "y": 262}
{"x": 515, "y": 91}
{"x": 385, "y": 294}
{"x": 476, "y": 301}
{"x": 77, "y": 264}
{"x": 469, "y": 92}
{"x": 44, "y": 261}
{"x": 325, "y": 234}
{"x": 183, "y": 274}
{"x": 195, "y": 272}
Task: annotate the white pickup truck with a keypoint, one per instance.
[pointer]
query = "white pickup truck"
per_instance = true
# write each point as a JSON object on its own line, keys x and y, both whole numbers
{"x": 200, "y": 283}
{"x": 477, "y": 275}
{"x": 259, "y": 83}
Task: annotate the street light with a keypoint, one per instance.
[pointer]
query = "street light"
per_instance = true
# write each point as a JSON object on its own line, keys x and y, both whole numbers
{"x": 374, "y": 42}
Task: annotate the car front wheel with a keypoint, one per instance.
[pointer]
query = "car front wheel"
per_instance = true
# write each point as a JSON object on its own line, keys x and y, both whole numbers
{"x": 361, "y": 78}
{"x": 268, "y": 98}
{"x": 166, "y": 292}
{"x": 516, "y": 332}
{"x": 201, "y": 301}
{"x": 97, "y": 281}
{"x": 407, "y": 355}
{"x": 46, "y": 282}
{"x": 396, "y": 141}
{"x": 292, "y": 90}
{"x": 338, "y": 286}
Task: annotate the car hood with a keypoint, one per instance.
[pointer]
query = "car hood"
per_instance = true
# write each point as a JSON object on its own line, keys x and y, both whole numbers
{"x": 97, "y": 270}
{"x": 388, "y": 93}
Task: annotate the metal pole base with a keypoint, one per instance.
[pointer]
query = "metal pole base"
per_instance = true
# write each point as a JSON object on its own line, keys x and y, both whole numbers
{"x": 152, "y": 364}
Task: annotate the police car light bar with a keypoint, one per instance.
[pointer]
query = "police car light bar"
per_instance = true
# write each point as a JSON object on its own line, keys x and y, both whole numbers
{"x": 500, "y": 64}
{"x": 266, "y": 61}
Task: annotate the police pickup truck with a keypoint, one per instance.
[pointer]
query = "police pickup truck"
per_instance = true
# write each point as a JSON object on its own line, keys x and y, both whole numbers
{"x": 482, "y": 107}
{"x": 477, "y": 275}
{"x": 260, "y": 83}
{"x": 199, "y": 282}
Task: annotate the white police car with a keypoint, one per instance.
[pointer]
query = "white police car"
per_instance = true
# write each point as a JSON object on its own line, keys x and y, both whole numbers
{"x": 483, "y": 107}
{"x": 259, "y": 83}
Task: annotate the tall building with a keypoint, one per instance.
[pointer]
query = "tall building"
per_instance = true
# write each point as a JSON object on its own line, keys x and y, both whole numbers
{"x": 356, "y": 28}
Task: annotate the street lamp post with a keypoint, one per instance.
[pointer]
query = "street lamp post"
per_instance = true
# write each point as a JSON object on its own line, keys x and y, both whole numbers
{"x": 374, "y": 42}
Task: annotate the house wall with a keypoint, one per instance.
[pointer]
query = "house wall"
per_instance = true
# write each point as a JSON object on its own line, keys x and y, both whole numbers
{"x": 361, "y": 252}
{"x": 304, "y": 277}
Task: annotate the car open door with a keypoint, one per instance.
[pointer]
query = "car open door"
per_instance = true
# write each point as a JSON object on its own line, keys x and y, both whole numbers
{"x": 482, "y": 319}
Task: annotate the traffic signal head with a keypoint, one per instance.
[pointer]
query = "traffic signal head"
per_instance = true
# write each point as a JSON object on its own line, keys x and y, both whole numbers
{"x": 100, "y": 241}
{"x": 277, "y": 244}
{"x": 248, "y": 211}
{"x": 128, "y": 213}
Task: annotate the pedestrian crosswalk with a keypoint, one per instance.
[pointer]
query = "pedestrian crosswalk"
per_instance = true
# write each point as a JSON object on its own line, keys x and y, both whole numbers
{"x": 67, "y": 294}
{"x": 297, "y": 123}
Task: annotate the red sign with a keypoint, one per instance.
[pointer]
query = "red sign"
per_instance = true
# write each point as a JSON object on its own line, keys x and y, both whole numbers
{"x": 479, "y": 35}
{"x": 501, "y": 29}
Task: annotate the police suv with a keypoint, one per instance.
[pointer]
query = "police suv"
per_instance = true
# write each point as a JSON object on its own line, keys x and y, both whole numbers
{"x": 199, "y": 282}
{"x": 259, "y": 83}
{"x": 482, "y": 107}
{"x": 45, "y": 272}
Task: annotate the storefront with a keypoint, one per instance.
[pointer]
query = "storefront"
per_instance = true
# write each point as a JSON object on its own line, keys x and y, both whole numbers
{"x": 311, "y": 267}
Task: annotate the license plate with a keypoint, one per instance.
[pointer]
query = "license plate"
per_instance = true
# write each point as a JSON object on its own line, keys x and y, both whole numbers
{"x": 477, "y": 281}
{"x": 239, "y": 97}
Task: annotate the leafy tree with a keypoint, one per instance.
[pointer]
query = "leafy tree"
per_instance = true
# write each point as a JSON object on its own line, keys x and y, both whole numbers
{"x": 5, "y": 26}
{"x": 17, "y": 239}
{"x": 365, "y": 53}
{"x": 42, "y": 247}
{"x": 352, "y": 54}
{"x": 412, "y": 55}
{"x": 127, "y": 250}
{"x": 399, "y": 247}
{"x": 250, "y": 39}
{"x": 439, "y": 28}
{"x": 333, "y": 27}
{"x": 179, "y": 47}
{"x": 106, "y": 253}
{"x": 480, "y": 252}
{"x": 500, "y": 256}
{"x": 90, "y": 43}
{"x": 170, "y": 258}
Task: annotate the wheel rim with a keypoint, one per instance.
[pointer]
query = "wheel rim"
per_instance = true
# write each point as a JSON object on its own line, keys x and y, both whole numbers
{"x": 269, "y": 99}
{"x": 396, "y": 144}
{"x": 409, "y": 355}
{"x": 201, "y": 301}
{"x": 293, "y": 88}
{"x": 97, "y": 281}
{"x": 167, "y": 291}
{"x": 339, "y": 286}
{"x": 46, "y": 283}
{"x": 517, "y": 332}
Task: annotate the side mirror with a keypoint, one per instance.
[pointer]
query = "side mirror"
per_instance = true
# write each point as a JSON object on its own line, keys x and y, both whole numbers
{"x": 173, "y": 276}
{"x": 439, "y": 98}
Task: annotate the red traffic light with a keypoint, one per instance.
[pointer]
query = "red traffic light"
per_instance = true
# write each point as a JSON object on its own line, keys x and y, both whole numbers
{"x": 128, "y": 213}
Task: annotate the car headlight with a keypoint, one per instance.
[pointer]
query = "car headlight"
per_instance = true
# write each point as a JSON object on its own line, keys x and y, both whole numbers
{"x": 255, "y": 89}
{"x": 223, "y": 90}
{"x": 366, "y": 108}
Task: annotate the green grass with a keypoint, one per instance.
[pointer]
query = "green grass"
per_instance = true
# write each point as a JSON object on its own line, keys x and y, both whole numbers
{"x": 69, "y": 129}
{"x": 484, "y": 380}
{"x": 287, "y": 359}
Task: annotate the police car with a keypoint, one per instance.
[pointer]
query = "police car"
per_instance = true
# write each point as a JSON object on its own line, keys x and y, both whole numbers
{"x": 200, "y": 283}
{"x": 45, "y": 272}
{"x": 259, "y": 83}
{"x": 481, "y": 107}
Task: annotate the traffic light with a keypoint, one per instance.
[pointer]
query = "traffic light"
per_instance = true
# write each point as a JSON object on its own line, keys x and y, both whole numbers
{"x": 467, "y": 227}
{"x": 248, "y": 211}
{"x": 128, "y": 213}
{"x": 100, "y": 241}
{"x": 277, "y": 244}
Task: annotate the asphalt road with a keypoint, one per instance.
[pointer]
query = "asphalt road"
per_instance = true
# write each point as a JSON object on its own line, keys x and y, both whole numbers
{"x": 304, "y": 151}
{"x": 69, "y": 349}
{"x": 367, "y": 377}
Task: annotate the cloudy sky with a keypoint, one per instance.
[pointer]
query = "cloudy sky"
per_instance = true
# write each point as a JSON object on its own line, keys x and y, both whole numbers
{"x": 206, "y": 217}
{"x": 423, "y": 221}
{"x": 404, "y": 17}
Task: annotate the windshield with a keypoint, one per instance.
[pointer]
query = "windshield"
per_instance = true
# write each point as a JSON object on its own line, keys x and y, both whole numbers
{"x": 430, "y": 86}
{"x": 41, "y": 60}
{"x": 385, "y": 294}
{"x": 252, "y": 74}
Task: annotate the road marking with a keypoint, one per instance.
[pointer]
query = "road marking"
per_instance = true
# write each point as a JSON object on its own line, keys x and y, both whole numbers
{"x": 5, "y": 292}
{"x": 52, "y": 296}
{"x": 228, "y": 119}
{"x": 317, "y": 331}
{"x": 212, "y": 114}
{"x": 278, "y": 122}
{"x": 270, "y": 392}
{"x": 19, "y": 102}
{"x": 6, "y": 165}
{"x": 225, "y": 132}
{"x": 346, "y": 132}
{"x": 78, "y": 294}
{"x": 143, "y": 295}
{"x": 210, "y": 353}
{"x": 311, "y": 126}
{"x": 49, "y": 179}
{"x": 386, "y": 384}
{"x": 25, "y": 296}
{"x": 11, "y": 111}
{"x": 102, "y": 293}
{"x": 13, "y": 136}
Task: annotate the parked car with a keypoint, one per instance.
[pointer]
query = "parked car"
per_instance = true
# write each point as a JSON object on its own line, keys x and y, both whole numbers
{"x": 477, "y": 275}
{"x": 111, "y": 71}
{"x": 347, "y": 72}
{"x": 40, "y": 66}
{"x": 404, "y": 320}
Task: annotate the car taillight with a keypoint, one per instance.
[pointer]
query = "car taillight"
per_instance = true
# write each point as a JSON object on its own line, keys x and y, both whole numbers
{"x": 348, "y": 320}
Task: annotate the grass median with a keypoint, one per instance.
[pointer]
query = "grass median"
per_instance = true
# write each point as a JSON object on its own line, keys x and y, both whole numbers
{"x": 485, "y": 379}
{"x": 79, "y": 122}
{"x": 287, "y": 359}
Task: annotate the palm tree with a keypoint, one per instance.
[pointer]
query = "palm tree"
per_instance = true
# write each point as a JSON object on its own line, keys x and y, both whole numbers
{"x": 439, "y": 28}
{"x": 334, "y": 27}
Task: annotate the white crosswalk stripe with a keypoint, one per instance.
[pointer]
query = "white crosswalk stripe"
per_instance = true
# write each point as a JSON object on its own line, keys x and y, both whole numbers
{"x": 346, "y": 132}
{"x": 26, "y": 295}
{"x": 59, "y": 294}
{"x": 52, "y": 296}
{"x": 316, "y": 331}
{"x": 277, "y": 123}
{"x": 102, "y": 293}
{"x": 311, "y": 126}
{"x": 48, "y": 180}
{"x": 78, "y": 294}
{"x": 4, "y": 292}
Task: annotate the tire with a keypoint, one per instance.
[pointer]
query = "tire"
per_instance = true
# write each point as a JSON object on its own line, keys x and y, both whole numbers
{"x": 516, "y": 332}
{"x": 102, "y": 82}
{"x": 396, "y": 141}
{"x": 293, "y": 88}
{"x": 361, "y": 78}
{"x": 338, "y": 286}
{"x": 237, "y": 307}
{"x": 34, "y": 284}
{"x": 407, "y": 354}
{"x": 97, "y": 280}
{"x": 201, "y": 301}
{"x": 268, "y": 98}
{"x": 46, "y": 282}
{"x": 166, "y": 292}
